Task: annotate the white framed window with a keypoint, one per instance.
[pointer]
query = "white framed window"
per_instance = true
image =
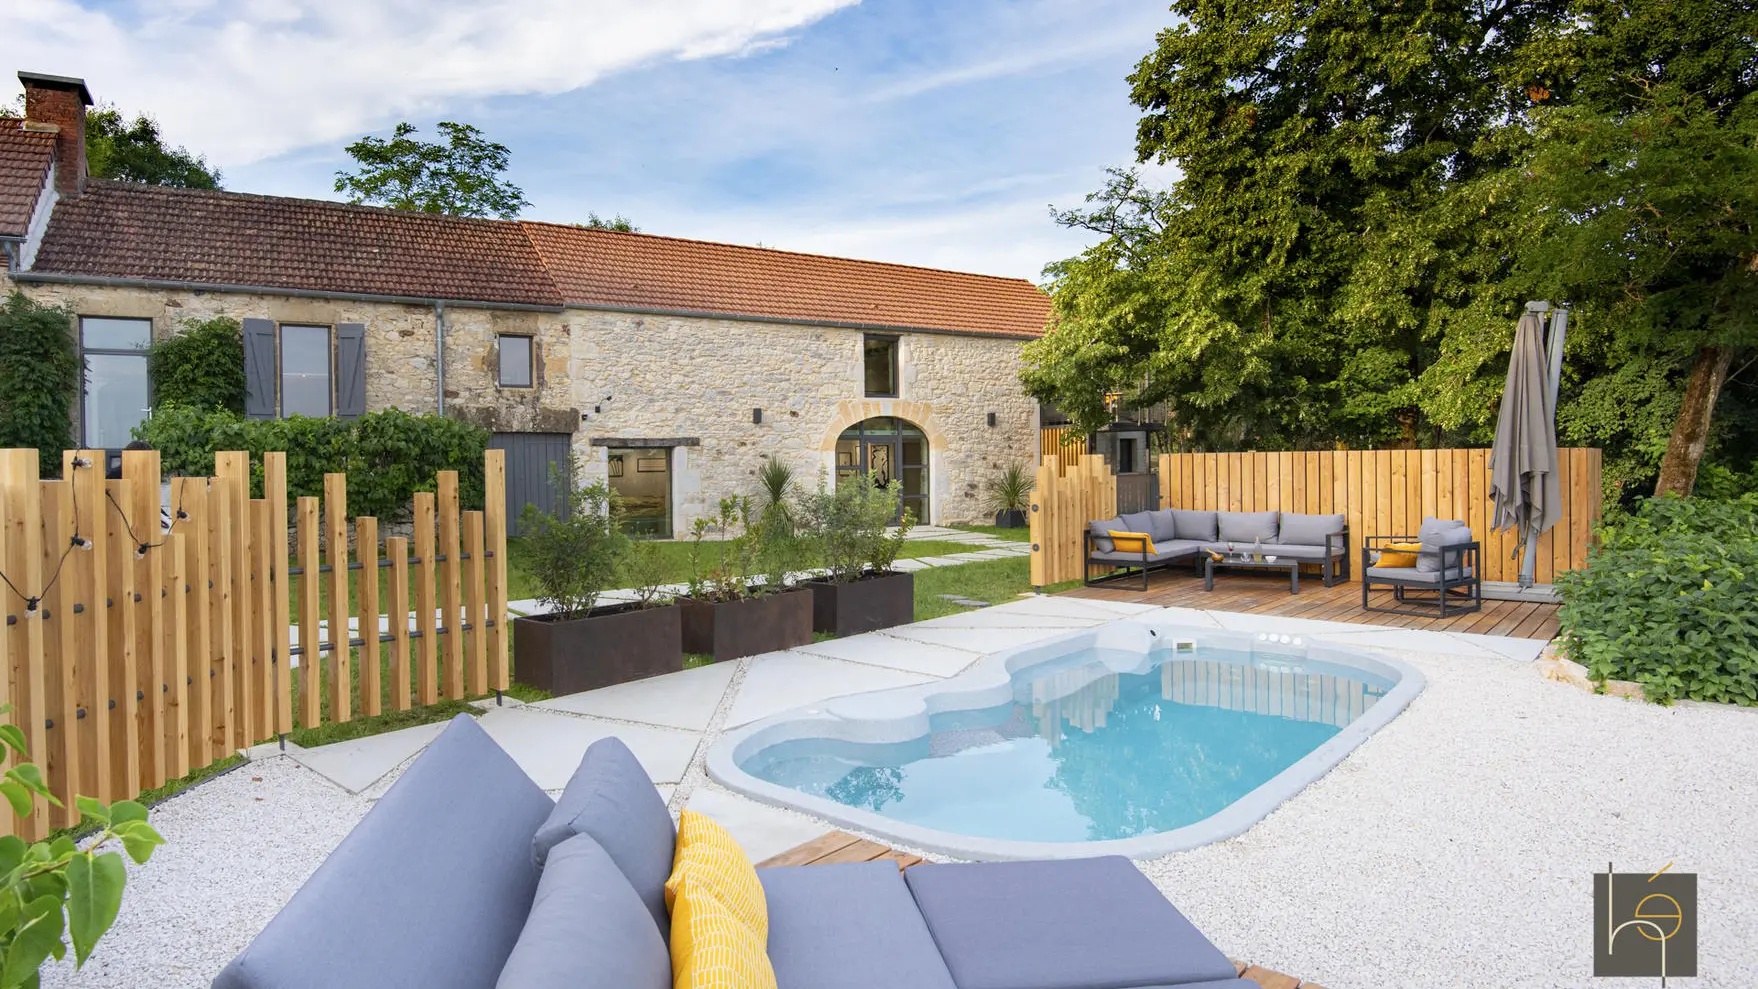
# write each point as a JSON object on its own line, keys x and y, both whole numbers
{"x": 115, "y": 396}
{"x": 517, "y": 361}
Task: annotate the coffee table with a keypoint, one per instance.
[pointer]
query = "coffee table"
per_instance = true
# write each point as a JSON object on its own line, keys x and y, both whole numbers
{"x": 1244, "y": 561}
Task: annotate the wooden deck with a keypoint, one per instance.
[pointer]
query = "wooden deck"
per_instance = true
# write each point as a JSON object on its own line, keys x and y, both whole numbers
{"x": 838, "y": 846}
{"x": 1267, "y": 594}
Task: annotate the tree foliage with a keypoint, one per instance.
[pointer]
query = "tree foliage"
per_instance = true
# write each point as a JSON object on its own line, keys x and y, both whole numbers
{"x": 461, "y": 176}
{"x": 40, "y": 374}
{"x": 133, "y": 151}
{"x": 201, "y": 367}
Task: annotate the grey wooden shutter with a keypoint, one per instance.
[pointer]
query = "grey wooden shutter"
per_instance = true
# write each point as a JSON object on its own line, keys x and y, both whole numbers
{"x": 259, "y": 368}
{"x": 350, "y": 370}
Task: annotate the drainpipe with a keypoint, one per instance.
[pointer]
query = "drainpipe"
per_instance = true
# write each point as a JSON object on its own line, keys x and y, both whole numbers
{"x": 439, "y": 357}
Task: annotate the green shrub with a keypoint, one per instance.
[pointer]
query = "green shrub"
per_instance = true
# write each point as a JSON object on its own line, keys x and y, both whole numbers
{"x": 200, "y": 368}
{"x": 39, "y": 379}
{"x": 574, "y": 554}
{"x": 1669, "y": 599}
{"x": 851, "y": 523}
{"x": 388, "y": 456}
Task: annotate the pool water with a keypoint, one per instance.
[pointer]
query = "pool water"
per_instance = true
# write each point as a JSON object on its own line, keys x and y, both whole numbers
{"x": 1084, "y": 753}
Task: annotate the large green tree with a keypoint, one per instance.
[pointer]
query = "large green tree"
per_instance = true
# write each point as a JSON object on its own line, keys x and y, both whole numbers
{"x": 461, "y": 176}
{"x": 133, "y": 151}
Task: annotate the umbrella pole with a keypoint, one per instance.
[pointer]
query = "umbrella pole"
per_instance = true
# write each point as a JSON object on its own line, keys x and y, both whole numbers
{"x": 1528, "y": 557}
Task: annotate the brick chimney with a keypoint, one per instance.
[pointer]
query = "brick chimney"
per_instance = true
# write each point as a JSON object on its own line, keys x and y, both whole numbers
{"x": 61, "y": 101}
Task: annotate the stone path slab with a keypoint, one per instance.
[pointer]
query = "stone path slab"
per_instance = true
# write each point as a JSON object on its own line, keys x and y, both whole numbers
{"x": 778, "y": 681}
{"x": 761, "y": 830}
{"x": 996, "y": 618}
{"x": 875, "y": 649}
{"x": 548, "y": 746}
{"x": 981, "y": 641}
{"x": 676, "y": 700}
{"x": 358, "y": 763}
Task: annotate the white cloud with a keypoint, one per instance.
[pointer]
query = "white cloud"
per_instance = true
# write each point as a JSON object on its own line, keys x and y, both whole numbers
{"x": 244, "y": 80}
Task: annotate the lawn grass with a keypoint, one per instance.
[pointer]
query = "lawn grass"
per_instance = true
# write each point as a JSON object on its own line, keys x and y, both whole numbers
{"x": 994, "y": 581}
{"x": 1019, "y": 535}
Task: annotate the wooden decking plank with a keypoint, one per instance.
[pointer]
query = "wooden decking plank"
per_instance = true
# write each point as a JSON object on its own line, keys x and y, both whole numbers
{"x": 1268, "y": 979}
{"x": 811, "y": 851}
{"x": 860, "y": 850}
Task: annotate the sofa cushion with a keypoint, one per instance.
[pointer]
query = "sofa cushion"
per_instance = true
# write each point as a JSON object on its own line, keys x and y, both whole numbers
{"x": 1138, "y": 521}
{"x": 848, "y": 926}
{"x": 711, "y": 948}
{"x": 430, "y": 889}
{"x": 1436, "y": 533}
{"x": 707, "y": 855}
{"x": 1413, "y": 575}
{"x": 588, "y": 928}
{"x": 1177, "y": 549}
{"x": 611, "y": 799}
{"x": 1133, "y": 542}
{"x": 1093, "y": 923}
{"x": 1307, "y": 530}
{"x": 1283, "y": 551}
{"x": 1164, "y": 529}
{"x": 1193, "y": 525}
{"x": 1102, "y": 533}
{"x": 1247, "y": 527}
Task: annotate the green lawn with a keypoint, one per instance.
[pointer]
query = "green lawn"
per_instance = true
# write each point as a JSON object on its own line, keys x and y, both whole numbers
{"x": 994, "y": 581}
{"x": 1020, "y": 535}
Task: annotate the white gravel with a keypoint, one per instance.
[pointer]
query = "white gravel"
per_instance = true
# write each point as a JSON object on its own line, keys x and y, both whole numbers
{"x": 1454, "y": 848}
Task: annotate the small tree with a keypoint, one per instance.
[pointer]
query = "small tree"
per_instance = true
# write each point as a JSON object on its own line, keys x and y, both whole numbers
{"x": 201, "y": 367}
{"x": 39, "y": 378}
{"x": 460, "y": 177}
{"x": 851, "y": 522}
{"x": 576, "y": 553}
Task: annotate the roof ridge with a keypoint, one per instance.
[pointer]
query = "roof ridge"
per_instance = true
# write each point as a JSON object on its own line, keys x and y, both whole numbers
{"x": 172, "y": 190}
{"x": 773, "y": 250}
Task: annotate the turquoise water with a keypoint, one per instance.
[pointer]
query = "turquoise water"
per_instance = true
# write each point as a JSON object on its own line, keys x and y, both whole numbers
{"x": 1086, "y": 754}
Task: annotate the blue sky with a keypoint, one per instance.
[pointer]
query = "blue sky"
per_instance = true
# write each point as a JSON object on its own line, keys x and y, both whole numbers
{"x": 933, "y": 133}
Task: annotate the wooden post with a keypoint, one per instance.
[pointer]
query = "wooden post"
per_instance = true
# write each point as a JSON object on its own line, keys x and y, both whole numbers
{"x": 175, "y": 602}
{"x": 494, "y": 506}
{"x": 21, "y": 552}
{"x": 60, "y": 758}
{"x": 192, "y": 494}
{"x": 311, "y": 659}
{"x": 118, "y": 617}
{"x": 141, "y": 469}
{"x": 427, "y": 667}
{"x": 366, "y": 547}
{"x": 340, "y": 663}
{"x": 451, "y": 583}
{"x": 274, "y": 490}
{"x": 397, "y": 548}
{"x": 262, "y": 594}
{"x": 233, "y": 467}
{"x": 86, "y": 572}
{"x": 475, "y": 591}
{"x": 222, "y": 530}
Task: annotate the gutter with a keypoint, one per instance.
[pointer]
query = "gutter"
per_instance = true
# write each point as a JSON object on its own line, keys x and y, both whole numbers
{"x": 11, "y": 246}
{"x": 110, "y": 281}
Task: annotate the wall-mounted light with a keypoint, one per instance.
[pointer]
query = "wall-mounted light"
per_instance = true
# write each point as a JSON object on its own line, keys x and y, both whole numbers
{"x": 991, "y": 418}
{"x": 756, "y": 417}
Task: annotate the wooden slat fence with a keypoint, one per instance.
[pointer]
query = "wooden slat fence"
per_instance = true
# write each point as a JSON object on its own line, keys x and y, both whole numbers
{"x": 152, "y": 653}
{"x": 1062, "y": 443}
{"x": 1380, "y": 492}
{"x": 1066, "y": 497}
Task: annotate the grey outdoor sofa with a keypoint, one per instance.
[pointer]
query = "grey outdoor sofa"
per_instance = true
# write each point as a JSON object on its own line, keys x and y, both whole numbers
{"x": 465, "y": 875}
{"x": 1446, "y": 580}
{"x": 1182, "y": 535}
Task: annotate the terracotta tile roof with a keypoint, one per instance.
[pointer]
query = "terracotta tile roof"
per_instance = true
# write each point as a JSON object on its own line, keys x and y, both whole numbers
{"x": 642, "y": 271}
{"x": 24, "y": 164}
{"x": 129, "y": 230}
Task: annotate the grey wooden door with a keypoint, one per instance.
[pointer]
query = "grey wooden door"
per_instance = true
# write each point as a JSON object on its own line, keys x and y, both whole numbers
{"x": 529, "y": 456}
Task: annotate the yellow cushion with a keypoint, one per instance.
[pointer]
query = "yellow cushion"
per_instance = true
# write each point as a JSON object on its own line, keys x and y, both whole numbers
{"x": 1398, "y": 555}
{"x": 709, "y": 856}
{"x": 1132, "y": 542}
{"x": 711, "y": 947}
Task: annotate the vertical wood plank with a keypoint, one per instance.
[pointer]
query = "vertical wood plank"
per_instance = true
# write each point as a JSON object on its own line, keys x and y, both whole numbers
{"x": 192, "y": 495}
{"x": 222, "y": 527}
{"x": 338, "y": 665}
{"x": 274, "y": 489}
{"x": 1399, "y": 491}
{"x": 1315, "y": 483}
{"x": 61, "y": 757}
{"x": 1273, "y": 483}
{"x": 426, "y": 573}
{"x": 116, "y": 604}
{"x": 1039, "y": 563}
{"x": 451, "y": 581}
{"x": 87, "y": 570}
{"x": 141, "y": 469}
{"x": 1382, "y": 473}
{"x": 366, "y": 548}
{"x": 494, "y": 512}
{"x": 263, "y": 589}
{"x": 1428, "y": 488}
{"x": 177, "y": 645}
{"x": 475, "y": 597}
{"x": 1355, "y": 498}
{"x": 397, "y": 548}
{"x": 311, "y": 659}
{"x": 1477, "y": 476}
{"x": 233, "y": 467}
{"x": 1413, "y": 506}
{"x": 1586, "y": 498}
{"x": 21, "y": 552}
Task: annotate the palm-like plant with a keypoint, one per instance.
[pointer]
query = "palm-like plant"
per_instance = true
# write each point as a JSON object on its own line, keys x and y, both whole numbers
{"x": 1010, "y": 490}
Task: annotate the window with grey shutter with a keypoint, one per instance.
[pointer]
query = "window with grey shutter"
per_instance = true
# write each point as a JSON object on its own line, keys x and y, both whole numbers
{"x": 305, "y": 371}
{"x": 259, "y": 368}
{"x": 350, "y": 370}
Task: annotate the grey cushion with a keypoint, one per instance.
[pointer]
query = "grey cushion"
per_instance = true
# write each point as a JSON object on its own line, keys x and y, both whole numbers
{"x": 1070, "y": 924}
{"x": 1138, "y": 522}
{"x": 1308, "y": 530}
{"x": 1283, "y": 551}
{"x": 1434, "y": 534}
{"x": 1247, "y": 527}
{"x": 1200, "y": 526}
{"x": 1411, "y": 574}
{"x": 1162, "y": 525}
{"x": 1101, "y": 539}
{"x": 429, "y": 891}
{"x": 611, "y": 799}
{"x": 1174, "y": 550}
{"x": 588, "y": 929}
{"x": 849, "y": 926}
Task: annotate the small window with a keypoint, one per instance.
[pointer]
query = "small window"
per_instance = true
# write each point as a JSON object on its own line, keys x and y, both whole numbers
{"x": 881, "y": 361}
{"x": 515, "y": 362}
{"x": 114, "y": 394}
{"x": 305, "y": 370}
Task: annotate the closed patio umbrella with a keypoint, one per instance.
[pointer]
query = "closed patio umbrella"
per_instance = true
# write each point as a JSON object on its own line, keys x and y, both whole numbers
{"x": 1523, "y": 463}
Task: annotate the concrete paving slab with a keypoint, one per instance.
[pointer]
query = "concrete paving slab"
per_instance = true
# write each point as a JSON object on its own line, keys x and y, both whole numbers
{"x": 941, "y": 561}
{"x": 981, "y": 641}
{"x": 676, "y": 700}
{"x": 1524, "y": 650}
{"x": 1050, "y": 606}
{"x": 358, "y": 763}
{"x": 910, "y": 566}
{"x": 1410, "y": 640}
{"x": 761, "y": 830}
{"x": 778, "y": 681}
{"x": 548, "y": 745}
{"x": 1189, "y": 616}
{"x": 874, "y": 649}
{"x": 998, "y": 618}
{"x": 1276, "y": 623}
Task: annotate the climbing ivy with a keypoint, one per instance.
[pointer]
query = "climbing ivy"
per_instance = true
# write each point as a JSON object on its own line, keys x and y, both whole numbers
{"x": 39, "y": 378}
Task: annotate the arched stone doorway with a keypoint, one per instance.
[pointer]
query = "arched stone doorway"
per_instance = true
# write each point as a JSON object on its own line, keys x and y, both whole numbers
{"x": 892, "y": 448}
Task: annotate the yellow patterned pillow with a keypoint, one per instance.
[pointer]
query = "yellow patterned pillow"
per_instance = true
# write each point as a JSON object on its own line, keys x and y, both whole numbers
{"x": 711, "y": 858}
{"x": 1398, "y": 555}
{"x": 711, "y": 948}
{"x": 1131, "y": 542}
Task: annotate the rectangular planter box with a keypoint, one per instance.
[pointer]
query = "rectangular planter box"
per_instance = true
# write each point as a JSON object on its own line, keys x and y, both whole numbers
{"x": 611, "y": 645}
{"x": 728, "y": 630}
{"x": 878, "y": 601}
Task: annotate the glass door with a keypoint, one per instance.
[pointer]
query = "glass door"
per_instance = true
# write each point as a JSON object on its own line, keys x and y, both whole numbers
{"x": 887, "y": 449}
{"x": 642, "y": 480}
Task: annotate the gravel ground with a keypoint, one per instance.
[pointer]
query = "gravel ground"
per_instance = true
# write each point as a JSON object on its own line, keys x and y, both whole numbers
{"x": 1454, "y": 848}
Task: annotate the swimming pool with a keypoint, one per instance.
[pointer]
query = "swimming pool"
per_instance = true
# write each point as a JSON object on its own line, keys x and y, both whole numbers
{"x": 1138, "y": 738}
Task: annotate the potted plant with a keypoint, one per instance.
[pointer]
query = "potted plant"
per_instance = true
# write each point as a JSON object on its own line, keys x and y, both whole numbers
{"x": 739, "y": 601}
{"x": 575, "y": 554}
{"x": 1009, "y": 495}
{"x": 851, "y": 522}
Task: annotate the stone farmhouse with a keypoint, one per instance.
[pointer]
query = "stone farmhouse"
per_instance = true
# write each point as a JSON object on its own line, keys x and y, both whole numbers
{"x": 671, "y": 367}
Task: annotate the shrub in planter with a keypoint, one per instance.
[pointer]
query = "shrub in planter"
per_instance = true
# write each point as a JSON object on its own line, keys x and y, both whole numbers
{"x": 1009, "y": 495}
{"x": 739, "y": 601}
{"x": 851, "y": 523}
{"x": 574, "y": 555}
{"x": 1669, "y": 599}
